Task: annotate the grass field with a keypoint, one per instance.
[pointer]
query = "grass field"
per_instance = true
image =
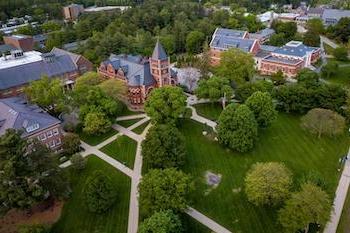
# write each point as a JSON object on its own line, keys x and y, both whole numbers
{"x": 210, "y": 111}
{"x": 284, "y": 142}
{"x": 122, "y": 149}
{"x": 93, "y": 140}
{"x": 128, "y": 123}
{"x": 141, "y": 128}
{"x": 344, "y": 224}
{"x": 76, "y": 218}
{"x": 342, "y": 77}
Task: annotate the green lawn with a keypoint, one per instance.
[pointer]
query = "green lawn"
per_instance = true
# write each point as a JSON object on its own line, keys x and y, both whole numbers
{"x": 209, "y": 110}
{"x": 122, "y": 149}
{"x": 342, "y": 77}
{"x": 141, "y": 128}
{"x": 93, "y": 140}
{"x": 76, "y": 218}
{"x": 127, "y": 112}
{"x": 128, "y": 123}
{"x": 284, "y": 142}
{"x": 328, "y": 49}
{"x": 344, "y": 224}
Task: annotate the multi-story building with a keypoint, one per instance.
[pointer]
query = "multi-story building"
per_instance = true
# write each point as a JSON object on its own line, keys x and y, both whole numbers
{"x": 22, "y": 42}
{"x": 20, "y": 68}
{"x": 268, "y": 59}
{"x": 140, "y": 74}
{"x": 31, "y": 121}
{"x": 72, "y": 12}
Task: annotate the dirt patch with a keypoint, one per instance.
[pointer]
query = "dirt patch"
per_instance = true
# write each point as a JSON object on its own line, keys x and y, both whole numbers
{"x": 41, "y": 214}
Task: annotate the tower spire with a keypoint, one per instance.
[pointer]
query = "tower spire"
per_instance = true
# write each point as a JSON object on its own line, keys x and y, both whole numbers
{"x": 159, "y": 52}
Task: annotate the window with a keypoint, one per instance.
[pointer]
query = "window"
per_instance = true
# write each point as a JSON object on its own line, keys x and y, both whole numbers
{"x": 49, "y": 134}
{"x": 58, "y": 141}
{"x": 52, "y": 143}
{"x": 55, "y": 131}
{"x": 42, "y": 137}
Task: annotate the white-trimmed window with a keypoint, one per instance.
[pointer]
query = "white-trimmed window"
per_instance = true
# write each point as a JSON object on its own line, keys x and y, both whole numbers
{"x": 52, "y": 143}
{"x": 42, "y": 137}
{"x": 55, "y": 131}
{"x": 49, "y": 134}
{"x": 58, "y": 142}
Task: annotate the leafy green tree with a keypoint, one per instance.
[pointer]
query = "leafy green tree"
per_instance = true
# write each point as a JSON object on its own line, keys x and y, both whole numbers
{"x": 323, "y": 122}
{"x": 114, "y": 88}
{"x": 310, "y": 205}
{"x": 315, "y": 26}
{"x": 311, "y": 39}
{"x": 162, "y": 222}
{"x": 277, "y": 39}
{"x": 262, "y": 106}
{"x": 96, "y": 123}
{"x": 237, "y": 128}
{"x": 236, "y": 65}
{"x": 329, "y": 70}
{"x": 341, "y": 54}
{"x": 308, "y": 78}
{"x": 244, "y": 91}
{"x": 70, "y": 143}
{"x": 48, "y": 94}
{"x": 214, "y": 88}
{"x": 164, "y": 147}
{"x": 278, "y": 78}
{"x": 165, "y": 105}
{"x": 166, "y": 189}
{"x": 33, "y": 229}
{"x": 78, "y": 161}
{"x": 99, "y": 192}
{"x": 342, "y": 29}
{"x": 194, "y": 41}
{"x": 51, "y": 26}
{"x": 268, "y": 183}
{"x": 27, "y": 180}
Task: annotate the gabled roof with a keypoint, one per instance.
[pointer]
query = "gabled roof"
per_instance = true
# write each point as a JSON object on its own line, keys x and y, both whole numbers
{"x": 16, "y": 113}
{"x": 335, "y": 14}
{"x": 159, "y": 52}
{"x": 230, "y": 33}
{"x": 57, "y": 51}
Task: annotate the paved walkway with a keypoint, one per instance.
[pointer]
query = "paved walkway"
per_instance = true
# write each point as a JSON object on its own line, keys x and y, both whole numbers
{"x": 192, "y": 100}
{"x": 340, "y": 197}
{"x": 131, "y": 117}
{"x": 206, "y": 221}
{"x": 328, "y": 41}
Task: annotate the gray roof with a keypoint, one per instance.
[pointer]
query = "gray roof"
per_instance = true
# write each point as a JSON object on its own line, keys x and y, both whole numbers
{"x": 265, "y": 33}
{"x": 159, "y": 52}
{"x": 298, "y": 51}
{"x": 16, "y": 113}
{"x": 136, "y": 69}
{"x": 318, "y": 11}
{"x": 230, "y": 32}
{"x": 335, "y": 14}
{"x": 26, "y": 73}
{"x": 282, "y": 60}
{"x": 40, "y": 37}
{"x": 269, "y": 48}
{"x": 6, "y": 48}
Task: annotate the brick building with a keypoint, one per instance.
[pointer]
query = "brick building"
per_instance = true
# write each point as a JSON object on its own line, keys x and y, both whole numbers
{"x": 31, "y": 120}
{"x": 20, "y": 68}
{"x": 22, "y": 42}
{"x": 72, "y": 12}
{"x": 268, "y": 59}
{"x": 140, "y": 74}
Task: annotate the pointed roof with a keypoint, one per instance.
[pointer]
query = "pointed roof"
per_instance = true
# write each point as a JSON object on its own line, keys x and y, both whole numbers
{"x": 159, "y": 52}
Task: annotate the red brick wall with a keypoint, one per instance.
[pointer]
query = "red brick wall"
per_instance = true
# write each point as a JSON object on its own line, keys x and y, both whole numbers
{"x": 51, "y": 137}
{"x": 26, "y": 44}
{"x": 84, "y": 65}
{"x": 269, "y": 68}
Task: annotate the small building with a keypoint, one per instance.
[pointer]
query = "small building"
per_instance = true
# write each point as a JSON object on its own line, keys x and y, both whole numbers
{"x": 140, "y": 74}
{"x": 22, "y": 42}
{"x": 315, "y": 12}
{"x": 332, "y": 16}
{"x": 288, "y": 17}
{"x": 20, "y": 68}
{"x": 263, "y": 35}
{"x": 72, "y": 12}
{"x": 32, "y": 121}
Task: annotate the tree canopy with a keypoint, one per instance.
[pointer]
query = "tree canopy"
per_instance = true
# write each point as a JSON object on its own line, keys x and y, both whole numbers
{"x": 162, "y": 222}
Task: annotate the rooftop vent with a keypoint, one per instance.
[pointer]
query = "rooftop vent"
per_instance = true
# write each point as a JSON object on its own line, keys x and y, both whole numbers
{"x": 16, "y": 54}
{"x": 32, "y": 128}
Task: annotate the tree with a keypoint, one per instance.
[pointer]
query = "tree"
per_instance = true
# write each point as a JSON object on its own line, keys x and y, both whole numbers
{"x": 71, "y": 143}
{"x": 329, "y": 70}
{"x": 48, "y": 94}
{"x": 164, "y": 147}
{"x": 99, "y": 192}
{"x": 315, "y": 26}
{"x": 96, "y": 123}
{"x": 261, "y": 104}
{"x": 323, "y": 122}
{"x": 114, "y": 88}
{"x": 162, "y": 222}
{"x": 308, "y": 78}
{"x": 236, "y": 65}
{"x": 33, "y": 229}
{"x": 29, "y": 173}
{"x": 244, "y": 91}
{"x": 268, "y": 183}
{"x": 166, "y": 189}
{"x": 51, "y": 26}
{"x": 165, "y": 105}
{"x": 342, "y": 29}
{"x": 311, "y": 39}
{"x": 341, "y": 54}
{"x": 310, "y": 205}
{"x": 214, "y": 88}
{"x": 237, "y": 128}
{"x": 278, "y": 78}
{"x": 194, "y": 41}
{"x": 78, "y": 161}
{"x": 277, "y": 39}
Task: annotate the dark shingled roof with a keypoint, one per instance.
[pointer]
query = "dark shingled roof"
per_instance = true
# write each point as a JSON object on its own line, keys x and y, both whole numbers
{"x": 159, "y": 52}
{"x": 6, "y": 48}
{"x": 16, "y": 113}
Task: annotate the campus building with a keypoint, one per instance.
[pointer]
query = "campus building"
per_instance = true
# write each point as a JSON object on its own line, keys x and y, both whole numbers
{"x": 20, "y": 68}
{"x": 22, "y": 42}
{"x": 72, "y": 12}
{"x": 31, "y": 121}
{"x": 140, "y": 74}
{"x": 268, "y": 59}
